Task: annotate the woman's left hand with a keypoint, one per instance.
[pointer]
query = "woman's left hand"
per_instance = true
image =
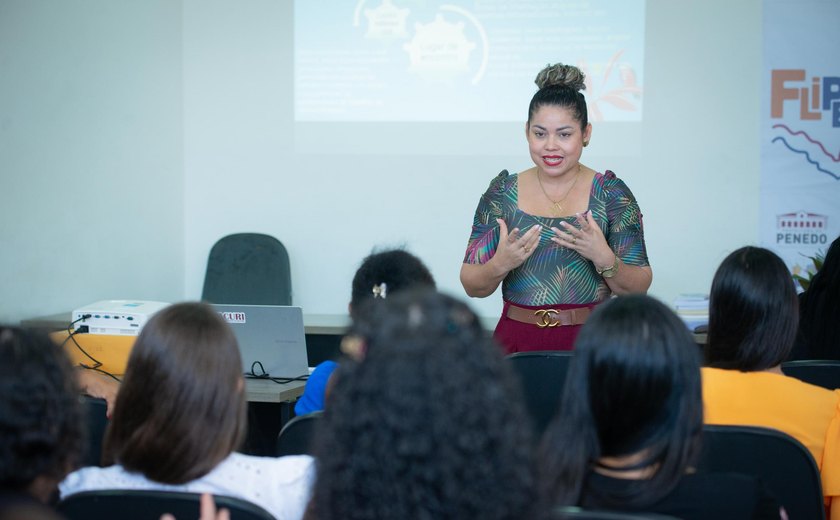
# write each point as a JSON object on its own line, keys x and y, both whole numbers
{"x": 587, "y": 239}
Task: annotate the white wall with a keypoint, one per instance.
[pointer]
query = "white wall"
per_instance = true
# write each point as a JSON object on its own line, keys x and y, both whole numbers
{"x": 698, "y": 182}
{"x": 91, "y": 175}
{"x": 694, "y": 168}
{"x": 96, "y": 93}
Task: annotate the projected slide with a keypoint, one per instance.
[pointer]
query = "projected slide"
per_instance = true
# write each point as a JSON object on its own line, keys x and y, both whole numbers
{"x": 394, "y": 61}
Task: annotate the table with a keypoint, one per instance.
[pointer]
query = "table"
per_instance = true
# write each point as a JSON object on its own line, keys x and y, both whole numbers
{"x": 270, "y": 407}
{"x": 331, "y": 324}
{"x": 323, "y": 332}
{"x": 270, "y": 404}
{"x": 265, "y": 391}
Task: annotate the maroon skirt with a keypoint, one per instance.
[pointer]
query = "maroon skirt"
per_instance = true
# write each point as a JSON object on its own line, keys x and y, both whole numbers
{"x": 516, "y": 336}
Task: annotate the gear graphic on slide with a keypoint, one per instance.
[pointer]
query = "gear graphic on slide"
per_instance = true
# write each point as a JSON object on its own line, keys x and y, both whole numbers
{"x": 439, "y": 50}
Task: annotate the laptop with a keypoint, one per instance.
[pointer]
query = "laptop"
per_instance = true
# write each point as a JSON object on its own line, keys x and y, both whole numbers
{"x": 268, "y": 335}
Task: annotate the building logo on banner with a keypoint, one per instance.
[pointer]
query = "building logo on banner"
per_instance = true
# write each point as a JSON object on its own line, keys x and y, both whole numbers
{"x": 815, "y": 99}
{"x": 793, "y": 229}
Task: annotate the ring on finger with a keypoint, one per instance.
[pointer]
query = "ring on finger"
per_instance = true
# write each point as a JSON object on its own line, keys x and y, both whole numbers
{"x": 527, "y": 249}
{"x": 574, "y": 240}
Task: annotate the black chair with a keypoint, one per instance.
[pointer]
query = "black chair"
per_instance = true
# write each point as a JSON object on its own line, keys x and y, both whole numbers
{"x": 820, "y": 372}
{"x": 248, "y": 268}
{"x": 577, "y": 513}
{"x": 783, "y": 464}
{"x": 147, "y": 504}
{"x": 542, "y": 375}
{"x": 95, "y": 411}
{"x": 296, "y": 436}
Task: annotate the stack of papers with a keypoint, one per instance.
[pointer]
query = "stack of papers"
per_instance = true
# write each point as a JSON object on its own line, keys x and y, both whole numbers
{"x": 693, "y": 309}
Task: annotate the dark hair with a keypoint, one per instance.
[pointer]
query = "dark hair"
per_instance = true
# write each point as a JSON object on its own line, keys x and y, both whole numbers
{"x": 428, "y": 425}
{"x": 181, "y": 407}
{"x": 560, "y": 86}
{"x": 819, "y": 307}
{"x": 633, "y": 386}
{"x": 41, "y": 426}
{"x": 396, "y": 268}
{"x": 753, "y": 312}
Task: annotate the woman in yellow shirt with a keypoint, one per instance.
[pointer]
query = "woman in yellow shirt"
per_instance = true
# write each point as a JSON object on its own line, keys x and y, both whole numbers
{"x": 753, "y": 318}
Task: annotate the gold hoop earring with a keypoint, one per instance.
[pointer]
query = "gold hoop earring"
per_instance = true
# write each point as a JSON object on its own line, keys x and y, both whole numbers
{"x": 585, "y": 144}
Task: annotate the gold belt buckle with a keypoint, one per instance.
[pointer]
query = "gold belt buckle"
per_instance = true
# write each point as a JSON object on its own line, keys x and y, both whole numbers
{"x": 545, "y": 318}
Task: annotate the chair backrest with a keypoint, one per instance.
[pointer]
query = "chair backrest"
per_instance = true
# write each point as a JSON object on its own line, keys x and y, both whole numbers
{"x": 296, "y": 436}
{"x": 783, "y": 464}
{"x": 542, "y": 375}
{"x": 248, "y": 268}
{"x": 148, "y": 504}
{"x": 95, "y": 411}
{"x": 577, "y": 513}
{"x": 820, "y": 372}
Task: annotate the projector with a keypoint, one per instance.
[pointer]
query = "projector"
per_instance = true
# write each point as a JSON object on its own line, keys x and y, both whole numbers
{"x": 116, "y": 317}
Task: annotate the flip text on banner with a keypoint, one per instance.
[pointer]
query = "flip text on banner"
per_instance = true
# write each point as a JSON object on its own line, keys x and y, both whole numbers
{"x": 800, "y": 130}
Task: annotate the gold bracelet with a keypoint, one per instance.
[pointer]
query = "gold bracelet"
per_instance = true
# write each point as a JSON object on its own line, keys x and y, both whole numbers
{"x": 608, "y": 272}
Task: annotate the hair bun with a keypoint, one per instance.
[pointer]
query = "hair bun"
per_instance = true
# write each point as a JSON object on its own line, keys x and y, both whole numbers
{"x": 559, "y": 75}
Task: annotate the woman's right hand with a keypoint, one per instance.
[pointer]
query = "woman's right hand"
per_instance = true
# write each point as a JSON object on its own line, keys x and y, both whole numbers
{"x": 515, "y": 247}
{"x": 481, "y": 280}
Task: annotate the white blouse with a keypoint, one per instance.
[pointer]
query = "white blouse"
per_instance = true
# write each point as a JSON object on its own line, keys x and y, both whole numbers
{"x": 282, "y": 485}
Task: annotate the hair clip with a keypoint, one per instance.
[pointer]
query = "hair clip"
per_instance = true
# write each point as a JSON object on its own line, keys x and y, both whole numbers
{"x": 353, "y": 346}
{"x": 380, "y": 290}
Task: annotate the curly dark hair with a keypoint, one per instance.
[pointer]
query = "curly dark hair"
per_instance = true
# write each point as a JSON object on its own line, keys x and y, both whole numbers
{"x": 41, "y": 426}
{"x": 428, "y": 426}
{"x": 396, "y": 268}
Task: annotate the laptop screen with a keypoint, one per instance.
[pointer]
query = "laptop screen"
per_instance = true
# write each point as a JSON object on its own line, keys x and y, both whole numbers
{"x": 271, "y": 338}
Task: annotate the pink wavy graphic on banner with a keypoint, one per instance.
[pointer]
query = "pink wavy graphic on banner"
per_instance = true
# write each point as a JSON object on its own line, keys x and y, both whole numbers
{"x": 808, "y": 137}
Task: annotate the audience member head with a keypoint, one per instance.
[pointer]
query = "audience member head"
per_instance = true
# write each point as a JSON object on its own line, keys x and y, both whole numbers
{"x": 632, "y": 393}
{"x": 820, "y": 307}
{"x": 41, "y": 436}
{"x": 753, "y": 312}
{"x": 181, "y": 408}
{"x": 560, "y": 86}
{"x": 386, "y": 273}
{"x": 428, "y": 425}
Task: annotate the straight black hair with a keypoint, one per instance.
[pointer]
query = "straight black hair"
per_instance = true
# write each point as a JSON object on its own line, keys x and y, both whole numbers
{"x": 633, "y": 387}
{"x": 753, "y": 312}
{"x": 819, "y": 308}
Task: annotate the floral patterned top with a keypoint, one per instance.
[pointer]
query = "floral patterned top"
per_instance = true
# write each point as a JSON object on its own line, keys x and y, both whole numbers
{"x": 553, "y": 274}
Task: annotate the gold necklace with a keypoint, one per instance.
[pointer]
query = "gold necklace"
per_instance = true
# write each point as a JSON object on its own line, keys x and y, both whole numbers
{"x": 557, "y": 205}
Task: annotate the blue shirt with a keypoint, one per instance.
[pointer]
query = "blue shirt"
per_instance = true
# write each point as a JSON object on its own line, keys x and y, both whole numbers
{"x": 315, "y": 390}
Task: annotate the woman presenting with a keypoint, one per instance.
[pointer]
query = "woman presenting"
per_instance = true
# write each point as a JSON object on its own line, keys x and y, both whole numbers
{"x": 559, "y": 237}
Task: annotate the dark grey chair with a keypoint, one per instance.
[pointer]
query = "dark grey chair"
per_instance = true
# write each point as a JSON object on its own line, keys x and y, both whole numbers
{"x": 542, "y": 375}
{"x": 820, "y": 372}
{"x": 95, "y": 411}
{"x": 147, "y": 504}
{"x": 783, "y": 464}
{"x": 296, "y": 436}
{"x": 248, "y": 268}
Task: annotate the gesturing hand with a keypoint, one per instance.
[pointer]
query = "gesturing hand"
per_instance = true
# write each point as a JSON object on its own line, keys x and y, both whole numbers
{"x": 587, "y": 239}
{"x": 515, "y": 247}
{"x": 207, "y": 510}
